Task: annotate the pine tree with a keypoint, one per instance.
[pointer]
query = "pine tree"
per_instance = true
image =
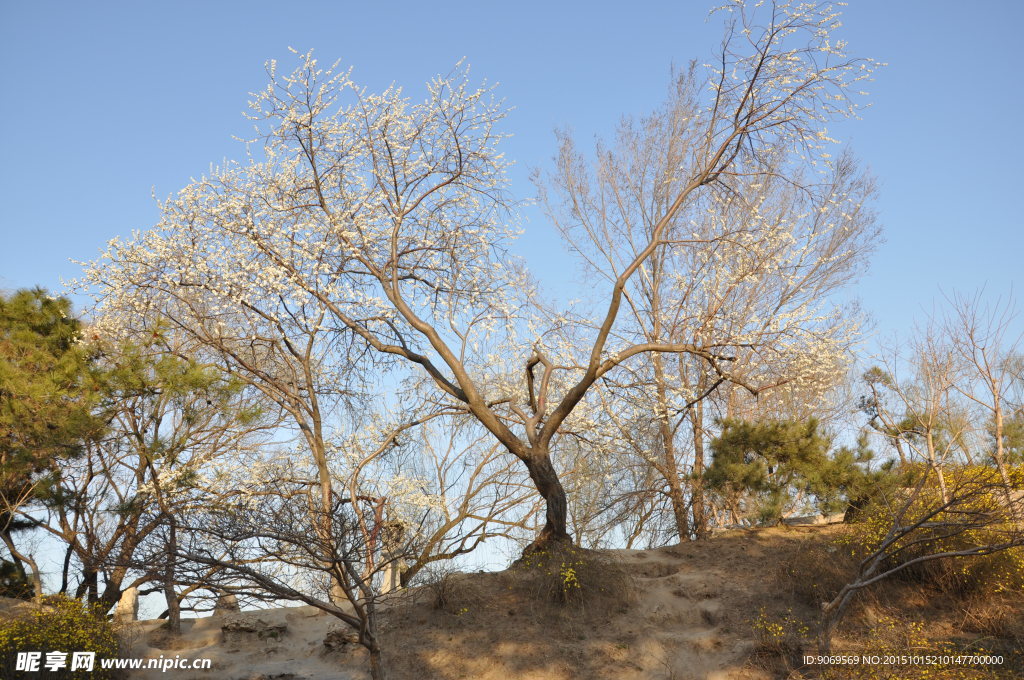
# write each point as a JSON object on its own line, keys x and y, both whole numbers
{"x": 46, "y": 398}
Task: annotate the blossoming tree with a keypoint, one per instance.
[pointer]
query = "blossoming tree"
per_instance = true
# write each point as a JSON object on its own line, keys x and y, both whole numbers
{"x": 382, "y": 222}
{"x": 751, "y": 268}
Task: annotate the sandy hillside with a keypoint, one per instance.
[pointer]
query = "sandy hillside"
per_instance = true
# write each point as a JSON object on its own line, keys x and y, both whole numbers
{"x": 688, "y": 617}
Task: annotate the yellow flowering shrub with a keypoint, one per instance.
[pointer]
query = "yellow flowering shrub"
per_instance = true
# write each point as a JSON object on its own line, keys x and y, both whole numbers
{"x": 978, "y": 516}
{"x": 63, "y": 624}
{"x": 786, "y": 636}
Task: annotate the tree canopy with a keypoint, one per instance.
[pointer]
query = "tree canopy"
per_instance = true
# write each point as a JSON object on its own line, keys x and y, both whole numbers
{"x": 777, "y": 459}
{"x": 47, "y": 395}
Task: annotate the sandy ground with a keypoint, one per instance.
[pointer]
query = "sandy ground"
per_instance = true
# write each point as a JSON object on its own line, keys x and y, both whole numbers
{"x": 689, "y": 617}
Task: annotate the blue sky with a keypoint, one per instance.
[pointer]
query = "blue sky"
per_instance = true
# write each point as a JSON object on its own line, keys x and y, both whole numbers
{"x": 106, "y": 103}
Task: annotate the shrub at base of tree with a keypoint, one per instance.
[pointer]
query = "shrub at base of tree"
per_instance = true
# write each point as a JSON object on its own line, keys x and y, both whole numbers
{"x": 575, "y": 577}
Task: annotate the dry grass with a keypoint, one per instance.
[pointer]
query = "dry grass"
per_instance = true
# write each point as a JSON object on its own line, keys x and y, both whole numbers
{"x": 441, "y": 585}
{"x": 997, "y": 617}
{"x": 816, "y": 572}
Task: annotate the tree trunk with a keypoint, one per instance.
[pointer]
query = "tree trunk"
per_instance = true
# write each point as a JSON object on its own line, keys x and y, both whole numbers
{"x": 127, "y": 608}
{"x": 376, "y": 663}
{"x": 831, "y": 613}
{"x": 173, "y": 602}
{"x": 89, "y": 587}
{"x": 368, "y": 637}
{"x": 934, "y": 462}
{"x": 37, "y": 577}
{"x": 22, "y": 559}
{"x": 323, "y": 517}
{"x": 700, "y": 518}
{"x": 671, "y": 468}
{"x": 65, "y": 571}
{"x": 545, "y": 478}
{"x": 679, "y": 510}
{"x": 998, "y": 454}
{"x": 37, "y": 581}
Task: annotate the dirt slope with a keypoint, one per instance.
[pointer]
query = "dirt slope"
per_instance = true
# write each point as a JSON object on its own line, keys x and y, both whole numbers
{"x": 688, "y": 617}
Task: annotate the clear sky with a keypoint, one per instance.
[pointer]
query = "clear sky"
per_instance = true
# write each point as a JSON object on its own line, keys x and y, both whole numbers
{"x": 105, "y": 104}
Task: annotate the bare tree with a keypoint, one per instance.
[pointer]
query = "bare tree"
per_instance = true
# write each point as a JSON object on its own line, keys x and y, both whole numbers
{"x": 264, "y": 547}
{"x": 920, "y": 413}
{"x": 981, "y": 338}
{"x": 763, "y": 258}
{"x": 402, "y": 499}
